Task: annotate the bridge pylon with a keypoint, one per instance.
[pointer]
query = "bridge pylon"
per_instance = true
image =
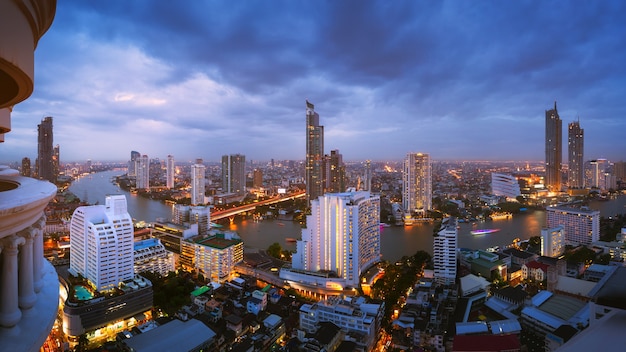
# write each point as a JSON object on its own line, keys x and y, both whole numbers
{"x": 231, "y": 219}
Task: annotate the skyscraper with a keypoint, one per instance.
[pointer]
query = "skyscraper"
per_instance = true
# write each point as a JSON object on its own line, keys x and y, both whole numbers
{"x": 367, "y": 182}
{"x": 197, "y": 182}
{"x": 56, "y": 160}
{"x": 417, "y": 184}
{"x": 444, "y": 252}
{"x": 101, "y": 243}
{"x": 553, "y": 150}
{"x": 335, "y": 177}
{"x": 25, "y": 167}
{"x": 234, "y": 174}
{"x": 170, "y": 172}
{"x": 575, "y": 149}
{"x": 45, "y": 151}
{"x": 257, "y": 178}
{"x": 132, "y": 164}
{"x": 143, "y": 173}
{"x": 342, "y": 236}
{"x": 314, "y": 176}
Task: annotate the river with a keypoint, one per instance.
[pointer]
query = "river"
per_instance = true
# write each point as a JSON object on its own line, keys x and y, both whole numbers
{"x": 396, "y": 241}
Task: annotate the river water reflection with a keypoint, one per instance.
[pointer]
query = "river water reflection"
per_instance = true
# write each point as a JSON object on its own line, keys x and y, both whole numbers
{"x": 396, "y": 241}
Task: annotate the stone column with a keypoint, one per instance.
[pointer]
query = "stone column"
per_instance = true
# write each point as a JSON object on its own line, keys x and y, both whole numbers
{"x": 38, "y": 254}
{"x": 27, "y": 297}
{"x": 10, "y": 313}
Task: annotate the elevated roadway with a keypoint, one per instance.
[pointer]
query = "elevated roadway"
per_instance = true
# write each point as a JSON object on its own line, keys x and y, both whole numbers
{"x": 248, "y": 207}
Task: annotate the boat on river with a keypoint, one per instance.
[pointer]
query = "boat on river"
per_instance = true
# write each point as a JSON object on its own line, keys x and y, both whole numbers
{"x": 483, "y": 231}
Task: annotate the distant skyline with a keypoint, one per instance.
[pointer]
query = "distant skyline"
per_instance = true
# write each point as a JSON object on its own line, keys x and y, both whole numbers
{"x": 457, "y": 80}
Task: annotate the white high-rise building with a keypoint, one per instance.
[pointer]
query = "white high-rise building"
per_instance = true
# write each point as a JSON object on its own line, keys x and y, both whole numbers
{"x": 417, "y": 184}
{"x": 342, "y": 236}
{"x": 143, "y": 172}
{"x": 101, "y": 243}
{"x": 201, "y": 215}
{"x": 504, "y": 185}
{"x": 170, "y": 171}
{"x": 444, "y": 252}
{"x": 197, "y": 182}
{"x": 553, "y": 241}
{"x": 582, "y": 225}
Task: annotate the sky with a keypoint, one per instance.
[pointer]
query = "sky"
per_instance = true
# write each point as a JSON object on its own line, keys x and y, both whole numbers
{"x": 200, "y": 79}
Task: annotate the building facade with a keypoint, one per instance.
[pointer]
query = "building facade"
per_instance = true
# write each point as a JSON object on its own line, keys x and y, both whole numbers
{"x": 554, "y": 152}
{"x": 197, "y": 182}
{"x": 45, "y": 151}
{"x": 170, "y": 171}
{"x": 314, "y": 163}
{"x": 151, "y": 255}
{"x": 417, "y": 184}
{"x": 215, "y": 257}
{"x": 101, "y": 243}
{"x": 444, "y": 252}
{"x": 336, "y": 173}
{"x": 132, "y": 164}
{"x": 234, "y": 174}
{"x": 342, "y": 236}
{"x": 142, "y": 166}
{"x": 581, "y": 225}
{"x": 575, "y": 150}
{"x": 505, "y": 185}
{"x": 553, "y": 241}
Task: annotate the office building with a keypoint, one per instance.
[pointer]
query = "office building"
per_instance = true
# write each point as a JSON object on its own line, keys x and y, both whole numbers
{"x": 25, "y": 167}
{"x": 553, "y": 241}
{"x": 505, "y": 185}
{"x": 197, "y": 182}
{"x": 553, "y": 150}
{"x": 234, "y": 174}
{"x": 335, "y": 173}
{"x": 45, "y": 151}
{"x": 170, "y": 170}
{"x": 257, "y": 178}
{"x": 353, "y": 315}
{"x": 367, "y": 181}
{"x": 29, "y": 282}
{"x": 575, "y": 150}
{"x": 444, "y": 252}
{"x": 417, "y": 185}
{"x": 582, "y": 225}
{"x": 150, "y": 255}
{"x": 101, "y": 243}
{"x": 132, "y": 164}
{"x": 214, "y": 257}
{"x": 314, "y": 163}
{"x": 143, "y": 173}
{"x": 342, "y": 236}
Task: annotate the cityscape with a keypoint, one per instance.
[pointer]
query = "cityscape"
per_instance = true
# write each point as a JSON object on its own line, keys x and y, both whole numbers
{"x": 335, "y": 237}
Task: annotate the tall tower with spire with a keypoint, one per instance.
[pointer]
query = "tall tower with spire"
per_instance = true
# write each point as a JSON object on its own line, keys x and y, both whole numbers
{"x": 553, "y": 150}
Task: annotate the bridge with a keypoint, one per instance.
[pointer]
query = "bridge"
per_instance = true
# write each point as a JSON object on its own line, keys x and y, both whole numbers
{"x": 227, "y": 213}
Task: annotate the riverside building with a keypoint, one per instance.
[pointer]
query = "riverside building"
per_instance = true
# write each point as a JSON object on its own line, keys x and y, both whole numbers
{"x": 505, "y": 185}
{"x": 197, "y": 182}
{"x": 444, "y": 252}
{"x": 582, "y": 225}
{"x": 314, "y": 163}
{"x": 575, "y": 150}
{"x": 554, "y": 152}
{"x": 416, "y": 186}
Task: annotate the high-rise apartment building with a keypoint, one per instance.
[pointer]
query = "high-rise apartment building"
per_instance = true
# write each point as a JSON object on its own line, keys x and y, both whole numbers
{"x": 619, "y": 171}
{"x": 336, "y": 173}
{"x": 56, "y": 160}
{"x": 234, "y": 174}
{"x": 342, "y": 236}
{"x": 314, "y": 163}
{"x": 169, "y": 172}
{"x": 101, "y": 243}
{"x": 367, "y": 182}
{"x": 553, "y": 241}
{"x": 197, "y": 182}
{"x": 25, "y": 167}
{"x": 45, "y": 151}
{"x": 582, "y": 225}
{"x": 505, "y": 185}
{"x": 132, "y": 164}
{"x": 417, "y": 184}
{"x": 554, "y": 152}
{"x": 257, "y": 178}
{"x": 29, "y": 286}
{"x": 143, "y": 173}
{"x": 596, "y": 173}
{"x": 444, "y": 252}
{"x": 575, "y": 149}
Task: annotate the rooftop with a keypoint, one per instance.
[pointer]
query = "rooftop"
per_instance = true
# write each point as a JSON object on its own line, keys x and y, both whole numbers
{"x": 173, "y": 336}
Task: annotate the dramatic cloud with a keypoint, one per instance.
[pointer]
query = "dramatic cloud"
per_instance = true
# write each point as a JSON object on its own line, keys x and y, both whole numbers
{"x": 460, "y": 80}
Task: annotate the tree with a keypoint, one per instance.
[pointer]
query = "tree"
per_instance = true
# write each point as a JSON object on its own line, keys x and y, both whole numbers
{"x": 274, "y": 250}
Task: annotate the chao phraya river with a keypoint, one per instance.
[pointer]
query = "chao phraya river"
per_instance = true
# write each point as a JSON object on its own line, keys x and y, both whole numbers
{"x": 396, "y": 241}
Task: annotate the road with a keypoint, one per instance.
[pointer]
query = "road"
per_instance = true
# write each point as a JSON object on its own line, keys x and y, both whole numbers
{"x": 248, "y": 207}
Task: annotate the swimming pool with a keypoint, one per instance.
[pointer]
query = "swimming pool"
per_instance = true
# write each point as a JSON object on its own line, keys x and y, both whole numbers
{"x": 82, "y": 293}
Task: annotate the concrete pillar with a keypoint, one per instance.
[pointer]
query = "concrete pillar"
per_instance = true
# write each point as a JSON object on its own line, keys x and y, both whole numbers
{"x": 38, "y": 254}
{"x": 27, "y": 297}
{"x": 10, "y": 313}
